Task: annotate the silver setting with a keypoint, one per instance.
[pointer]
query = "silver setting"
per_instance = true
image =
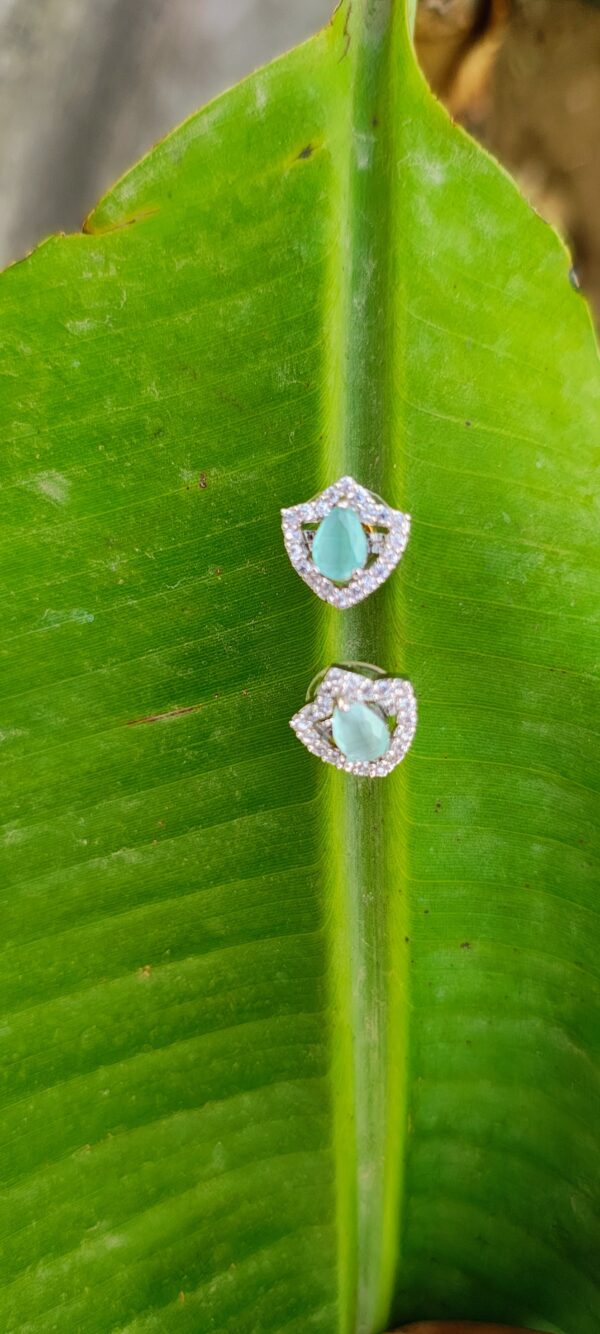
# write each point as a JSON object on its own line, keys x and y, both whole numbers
{"x": 388, "y": 531}
{"x": 340, "y": 687}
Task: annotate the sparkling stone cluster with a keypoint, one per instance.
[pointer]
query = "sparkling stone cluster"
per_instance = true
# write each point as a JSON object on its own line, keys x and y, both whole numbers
{"x": 386, "y": 546}
{"x": 341, "y": 688}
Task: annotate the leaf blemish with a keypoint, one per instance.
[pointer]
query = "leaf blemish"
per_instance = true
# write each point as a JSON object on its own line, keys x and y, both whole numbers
{"x": 364, "y": 149}
{"x": 261, "y": 95}
{"x": 89, "y": 228}
{"x": 76, "y": 616}
{"x": 52, "y": 485}
{"x": 346, "y": 34}
{"x": 306, "y": 152}
{"x": 162, "y": 717}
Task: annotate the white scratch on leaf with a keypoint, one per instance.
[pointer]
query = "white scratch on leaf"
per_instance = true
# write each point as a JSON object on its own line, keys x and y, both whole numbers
{"x": 364, "y": 150}
{"x": 261, "y": 95}
{"x": 9, "y": 734}
{"x": 76, "y": 616}
{"x": 80, "y": 326}
{"x": 52, "y": 485}
{"x": 13, "y": 837}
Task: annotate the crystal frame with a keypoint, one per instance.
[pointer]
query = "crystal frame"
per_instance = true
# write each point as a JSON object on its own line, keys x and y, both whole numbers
{"x": 386, "y": 547}
{"x": 393, "y": 695}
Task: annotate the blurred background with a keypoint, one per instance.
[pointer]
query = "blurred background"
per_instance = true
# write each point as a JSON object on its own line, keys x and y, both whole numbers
{"x": 86, "y": 86}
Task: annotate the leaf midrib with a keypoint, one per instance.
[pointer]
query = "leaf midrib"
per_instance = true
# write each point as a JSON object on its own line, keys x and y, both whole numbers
{"x": 369, "y": 922}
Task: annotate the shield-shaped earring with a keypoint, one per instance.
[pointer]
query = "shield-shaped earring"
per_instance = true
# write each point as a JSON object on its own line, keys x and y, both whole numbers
{"x": 358, "y": 719}
{"x": 345, "y": 542}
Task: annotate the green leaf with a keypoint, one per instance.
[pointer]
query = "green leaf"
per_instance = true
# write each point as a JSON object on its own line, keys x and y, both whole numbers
{"x": 284, "y": 1050}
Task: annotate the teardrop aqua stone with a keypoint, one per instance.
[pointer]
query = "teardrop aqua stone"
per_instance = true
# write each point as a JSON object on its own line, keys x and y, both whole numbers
{"x": 340, "y": 546}
{"x": 360, "y": 732}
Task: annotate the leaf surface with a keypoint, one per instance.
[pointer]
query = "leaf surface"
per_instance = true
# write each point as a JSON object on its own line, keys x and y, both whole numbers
{"x": 283, "y": 1050}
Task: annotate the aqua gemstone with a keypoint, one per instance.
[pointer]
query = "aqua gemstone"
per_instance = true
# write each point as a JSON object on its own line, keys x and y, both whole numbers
{"x": 340, "y": 546}
{"x": 360, "y": 732}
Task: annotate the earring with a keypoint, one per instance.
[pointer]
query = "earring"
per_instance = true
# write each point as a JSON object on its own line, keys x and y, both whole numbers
{"x": 345, "y": 542}
{"x": 358, "y": 719}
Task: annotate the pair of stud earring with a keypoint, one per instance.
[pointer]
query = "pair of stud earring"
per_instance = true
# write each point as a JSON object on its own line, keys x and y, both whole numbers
{"x": 344, "y": 544}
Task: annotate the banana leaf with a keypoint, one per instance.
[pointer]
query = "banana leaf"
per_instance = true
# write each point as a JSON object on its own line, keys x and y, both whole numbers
{"x": 284, "y": 1049}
